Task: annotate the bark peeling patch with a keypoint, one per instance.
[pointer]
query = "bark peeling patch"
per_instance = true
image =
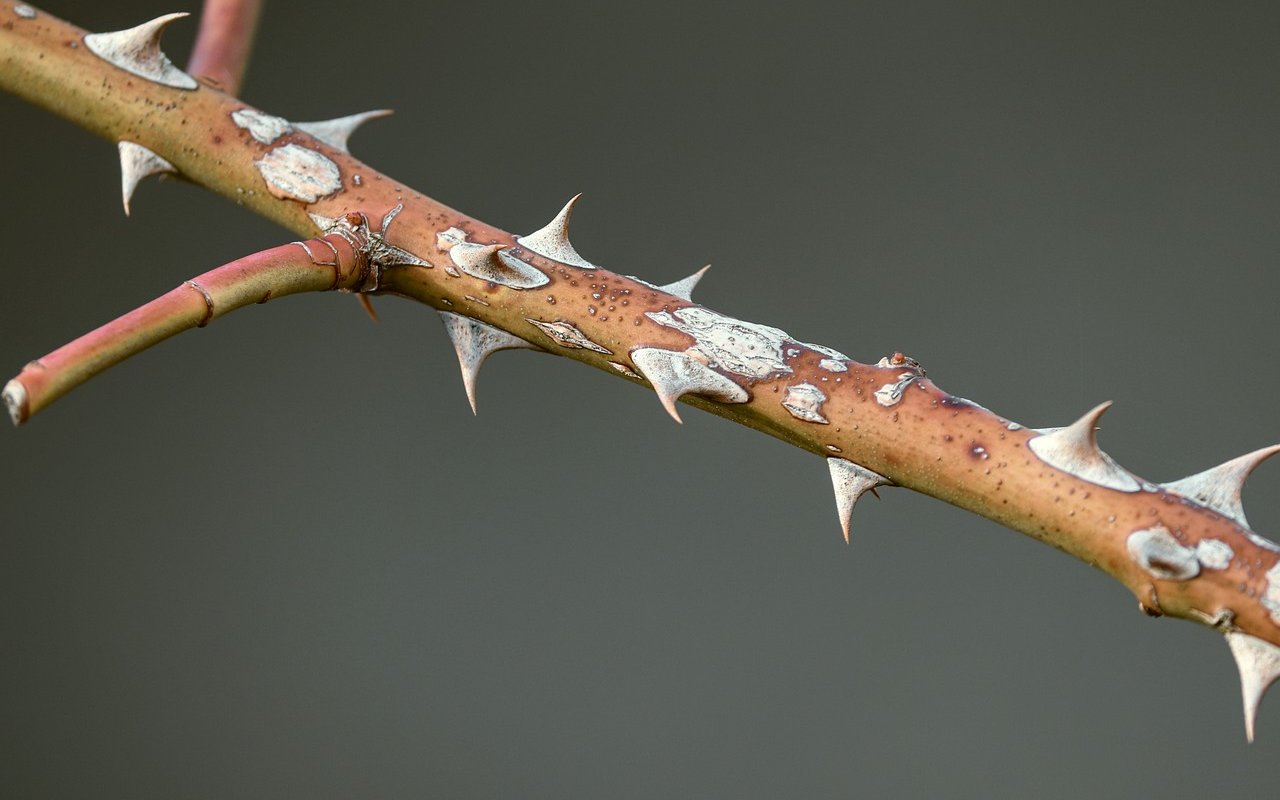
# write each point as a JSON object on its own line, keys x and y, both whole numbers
{"x": 833, "y": 356}
{"x": 294, "y": 172}
{"x": 566, "y": 334}
{"x": 804, "y": 401}
{"x": 625, "y": 370}
{"x": 263, "y": 127}
{"x": 446, "y": 239}
{"x": 1271, "y": 597}
{"x": 1161, "y": 555}
{"x": 1214, "y": 553}
{"x": 743, "y": 348}
{"x": 891, "y": 393}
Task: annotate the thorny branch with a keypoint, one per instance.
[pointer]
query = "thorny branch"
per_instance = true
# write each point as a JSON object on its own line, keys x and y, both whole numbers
{"x": 1184, "y": 549}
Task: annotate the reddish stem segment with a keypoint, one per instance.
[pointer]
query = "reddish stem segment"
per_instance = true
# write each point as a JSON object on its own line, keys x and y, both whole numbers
{"x": 224, "y": 42}
{"x": 313, "y": 266}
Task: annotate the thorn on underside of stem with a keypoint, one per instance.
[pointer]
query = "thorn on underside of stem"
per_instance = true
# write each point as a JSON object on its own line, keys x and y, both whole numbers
{"x": 474, "y": 341}
{"x": 136, "y": 163}
{"x": 674, "y": 375}
{"x": 850, "y": 481}
{"x": 1259, "y": 665}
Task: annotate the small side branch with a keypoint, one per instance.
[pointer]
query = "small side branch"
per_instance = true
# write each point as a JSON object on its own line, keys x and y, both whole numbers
{"x": 225, "y": 41}
{"x": 316, "y": 265}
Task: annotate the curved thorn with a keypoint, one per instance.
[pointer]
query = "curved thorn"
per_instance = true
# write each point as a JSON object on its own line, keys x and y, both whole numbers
{"x": 474, "y": 342}
{"x": 1219, "y": 487}
{"x": 683, "y": 288}
{"x": 136, "y": 163}
{"x": 850, "y": 482}
{"x": 336, "y": 132}
{"x": 1259, "y": 664}
{"x": 676, "y": 374}
{"x": 137, "y": 51}
{"x": 1074, "y": 450}
{"x": 552, "y": 240}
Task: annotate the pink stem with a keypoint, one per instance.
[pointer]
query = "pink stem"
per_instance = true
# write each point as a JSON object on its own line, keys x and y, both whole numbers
{"x": 225, "y": 39}
{"x": 313, "y": 266}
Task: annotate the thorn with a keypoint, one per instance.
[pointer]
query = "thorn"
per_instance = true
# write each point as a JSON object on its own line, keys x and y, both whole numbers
{"x": 1074, "y": 450}
{"x": 478, "y": 260}
{"x": 1259, "y": 664}
{"x": 850, "y": 482}
{"x": 552, "y": 240}
{"x": 336, "y": 132}
{"x": 683, "y": 288}
{"x": 367, "y": 305}
{"x": 137, "y": 51}
{"x": 477, "y": 256}
{"x": 136, "y": 163}
{"x": 475, "y": 341}
{"x": 1219, "y": 487}
{"x": 390, "y": 217}
{"x": 676, "y": 374}
{"x": 322, "y": 222}
{"x": 490, "y": 262}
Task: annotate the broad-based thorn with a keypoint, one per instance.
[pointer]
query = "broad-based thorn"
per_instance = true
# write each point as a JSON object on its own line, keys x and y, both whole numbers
{"x": 491, "y": 262}
{"x": 337, "y": 132}
{"x": 137, "y": 51}
{"x": 683, "y": 288}
{"x": 676, "y": 374}
{"x": 1259, "y": 664}
{"x": 850, "y": 482}
{"x": 1219, "y": 488}
{"x": 136, "y": 163}
{"x": 475, "y": 341}
{"x": 478, "y": 260}
{"x": 367, "y": 305}
{"x": 552, "y": 240}
{"x": 1074, "y": 449}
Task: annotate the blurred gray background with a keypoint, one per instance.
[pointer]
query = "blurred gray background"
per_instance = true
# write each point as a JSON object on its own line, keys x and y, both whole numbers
{"x": 278, "y": 557}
